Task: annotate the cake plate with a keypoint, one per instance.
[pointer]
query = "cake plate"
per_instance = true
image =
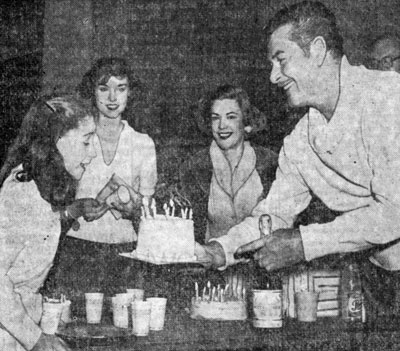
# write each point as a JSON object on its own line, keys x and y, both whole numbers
{"x": 158, "y": 260}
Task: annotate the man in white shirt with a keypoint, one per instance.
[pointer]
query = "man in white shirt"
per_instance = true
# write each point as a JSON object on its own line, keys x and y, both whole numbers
{"x": 345, "y": 150}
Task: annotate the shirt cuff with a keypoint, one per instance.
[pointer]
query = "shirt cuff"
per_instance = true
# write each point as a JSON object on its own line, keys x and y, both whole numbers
{"x": 316, "y": 243}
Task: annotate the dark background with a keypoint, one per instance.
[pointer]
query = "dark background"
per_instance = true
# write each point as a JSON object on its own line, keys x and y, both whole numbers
{"x": 179, "y": 50}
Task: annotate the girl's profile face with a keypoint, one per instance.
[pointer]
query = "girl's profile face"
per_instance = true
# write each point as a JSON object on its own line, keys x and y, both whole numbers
{"x": 112, "y": 97}
{"x": 76, "y": 147}
{"x": 227, "y": 123}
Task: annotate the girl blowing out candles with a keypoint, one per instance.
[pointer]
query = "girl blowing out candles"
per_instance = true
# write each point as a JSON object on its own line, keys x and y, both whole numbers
{"x": 39, "y": 180}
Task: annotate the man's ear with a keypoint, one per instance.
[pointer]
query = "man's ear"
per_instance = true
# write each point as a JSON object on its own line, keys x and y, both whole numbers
{"x": 318, "y": 50}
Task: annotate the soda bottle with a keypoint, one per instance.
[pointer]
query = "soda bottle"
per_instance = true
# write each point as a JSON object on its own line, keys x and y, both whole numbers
{"x": 351, "y": 298}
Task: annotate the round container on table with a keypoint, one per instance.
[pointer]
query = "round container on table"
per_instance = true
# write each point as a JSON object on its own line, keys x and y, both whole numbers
{"x": 267, "y": 308}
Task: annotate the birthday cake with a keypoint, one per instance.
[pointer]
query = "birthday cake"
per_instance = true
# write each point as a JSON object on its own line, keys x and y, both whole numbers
{"x": 218, "y": 305}
{"x": 166, "y": 238}
{"x": 226, "y": 311}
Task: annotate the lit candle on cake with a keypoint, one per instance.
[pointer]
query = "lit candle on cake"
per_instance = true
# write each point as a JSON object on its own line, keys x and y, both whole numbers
{"x": 214, "y": 296}
{"x": 145, "y": 202}
{"x": 226, "y": 290}
{"x": 153, "y": 207}
{"x": 172, "y": 204}
{"x": 165, "y": 207}
{"x": 196, "y": 288}
{"x": 234, "y": 285}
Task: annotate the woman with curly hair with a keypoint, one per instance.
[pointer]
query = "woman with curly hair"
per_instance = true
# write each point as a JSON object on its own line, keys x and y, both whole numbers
{"x": 225, "y": 181}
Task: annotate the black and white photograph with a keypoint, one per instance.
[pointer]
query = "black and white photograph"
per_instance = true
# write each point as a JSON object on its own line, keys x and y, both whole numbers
{"x": 199, "y": 175}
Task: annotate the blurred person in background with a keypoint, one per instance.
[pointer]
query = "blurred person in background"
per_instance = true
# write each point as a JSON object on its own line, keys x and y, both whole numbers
{"x": 385, "y": 53}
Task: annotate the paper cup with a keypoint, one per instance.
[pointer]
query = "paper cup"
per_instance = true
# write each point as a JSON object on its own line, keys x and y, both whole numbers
{"x": 306, "y": 305}
{"x": 136, "y": 294}
{"x": 267, "y": 308}
{"x": 94, "y": 307}
{"x": 141, "y": 317}
{"x": 123, "y": 298}
{"x": 50, "y": 317}
{"x": 120, "y": 311}
{"x": 157, "y": 313}
{"x": 66, "y": 312}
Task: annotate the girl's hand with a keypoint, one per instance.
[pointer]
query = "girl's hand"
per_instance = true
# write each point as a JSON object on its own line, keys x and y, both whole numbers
{"x": 128, "y": 210}
{"x": 88, "y": 208}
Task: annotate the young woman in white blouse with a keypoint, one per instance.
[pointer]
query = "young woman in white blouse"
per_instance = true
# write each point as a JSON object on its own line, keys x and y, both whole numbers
{"x": 37, "y": 206}
{"x": 126, "y": 153}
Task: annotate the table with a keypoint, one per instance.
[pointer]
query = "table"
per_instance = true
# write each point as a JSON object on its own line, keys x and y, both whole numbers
{"x": 183, "y": 333}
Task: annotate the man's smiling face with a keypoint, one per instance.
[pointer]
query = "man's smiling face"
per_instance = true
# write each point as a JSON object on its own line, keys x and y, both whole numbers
{"x": 292, "y": 70}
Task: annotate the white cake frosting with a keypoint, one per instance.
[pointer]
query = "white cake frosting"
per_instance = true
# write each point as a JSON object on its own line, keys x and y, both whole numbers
{"x": 166, "y": 239}
{"x": 227, "y": 310}
{"x": 224, "y": 304}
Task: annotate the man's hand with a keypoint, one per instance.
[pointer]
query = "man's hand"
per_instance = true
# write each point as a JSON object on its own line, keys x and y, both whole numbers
{"x": 210, "y": 255}
{"x": 48, "y": 342}
{"x": 281, "y": 249}
{"x": 88, "y": 208}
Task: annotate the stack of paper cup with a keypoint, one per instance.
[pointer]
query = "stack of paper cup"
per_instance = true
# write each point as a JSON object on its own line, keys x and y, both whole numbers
{"x": 157, "y": 314}
{"x": 120, "y": 304}
{"x": 50, "y": 317}
{"x": 94, "y": 307}
{"x": 141, "y": 317}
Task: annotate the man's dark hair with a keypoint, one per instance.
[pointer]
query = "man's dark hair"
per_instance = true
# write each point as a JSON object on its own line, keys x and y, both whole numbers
{"x": 309, "y": 20}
